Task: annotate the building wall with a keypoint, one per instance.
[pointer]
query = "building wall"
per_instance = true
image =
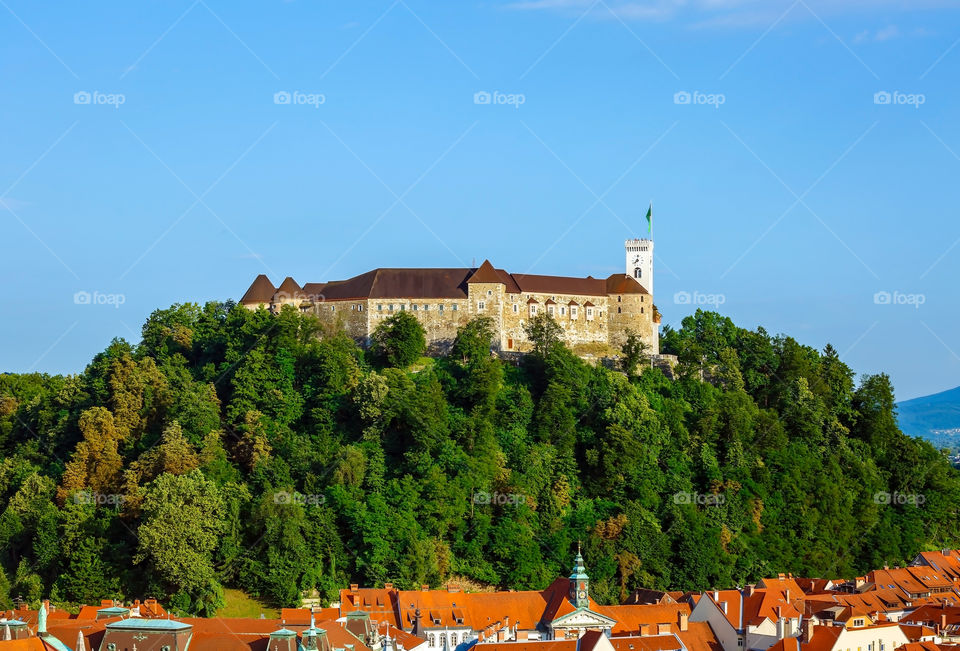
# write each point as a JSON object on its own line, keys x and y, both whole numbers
{"x": 488, "y": 299}
{"x": 577, "y": 330}
{"x": 885, "y": 638}
{"x": 631, "y": 313}
{"x": 352, "y": 316}
{"x": 441, "y": 318}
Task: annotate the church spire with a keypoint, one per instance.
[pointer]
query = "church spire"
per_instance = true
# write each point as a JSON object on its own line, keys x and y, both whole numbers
{"x": 579, "y": 582}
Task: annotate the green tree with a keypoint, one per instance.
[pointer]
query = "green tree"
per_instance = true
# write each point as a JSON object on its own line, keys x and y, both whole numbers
{"x": 399, "y": 340}
{"x": 182, "y": 519}
{"x": 544, "y": 333}
{"x": 633, "y": 352}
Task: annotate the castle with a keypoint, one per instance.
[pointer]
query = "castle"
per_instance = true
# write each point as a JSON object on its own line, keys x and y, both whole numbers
{"x": 594, "y": 313}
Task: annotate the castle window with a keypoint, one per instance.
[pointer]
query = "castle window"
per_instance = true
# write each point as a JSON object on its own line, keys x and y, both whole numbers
{"x": 333, "y": 308}
{"x": 589, "y": 314}
{"x": 426, "y": 308}
{"x": 481, "y": 306}
{"x": 618, "y": 310}
{"x": 379, "y": 307}
{"x": 641, "y": 310}
{"x": 573, "y": 312}
{"x": 641, "y": 299}
{"x": 403, "y": 308}
{"x": 618, "y": 299}
{"x": 432, "y": 640}
{"x": 390, "y": 307}
{"x": 489, "y": 292}
{"x": 516, "y": 308}
{"x": 440, "y": 308}
{"x": 637, "y": 272}
{"x": 360, "y": 308}
{"x": 563, "y": 311}
{"x": 454, "y": 307}
{"x": 533, "y": 309}
{"x": 550, "y": 310}
{"x": 415, "y": 307}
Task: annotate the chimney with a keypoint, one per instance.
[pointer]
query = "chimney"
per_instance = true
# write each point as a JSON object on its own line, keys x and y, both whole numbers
{"x": 787, "y": 593}
{"x": 943, "y": 622}
{"x": 388, "y": 586}
{"x": 750, "y": 589}
{"x": 807, "y": 631}
{"x": 424, "y": 587}
{"x": 354, "y": 587}
{"x": 683, "y": 622}
{"x": 453, "y": 587}
{"x": 716, "y": 596}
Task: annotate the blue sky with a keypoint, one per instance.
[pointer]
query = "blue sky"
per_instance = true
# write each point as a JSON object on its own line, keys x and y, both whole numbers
{"x": 145, "y": 160}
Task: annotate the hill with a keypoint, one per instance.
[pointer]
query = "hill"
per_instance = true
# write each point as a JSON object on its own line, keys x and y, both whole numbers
{"x": 935, "y": 417}
{"x": 233, "y": 449}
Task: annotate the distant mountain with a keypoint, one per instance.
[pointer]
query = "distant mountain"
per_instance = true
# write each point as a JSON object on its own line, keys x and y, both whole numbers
{"x": 935, "y": 417}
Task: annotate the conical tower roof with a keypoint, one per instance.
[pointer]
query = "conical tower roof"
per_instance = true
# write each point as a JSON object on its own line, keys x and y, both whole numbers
{"x": 261, "y": 291}
{"x": 485, "y": 274}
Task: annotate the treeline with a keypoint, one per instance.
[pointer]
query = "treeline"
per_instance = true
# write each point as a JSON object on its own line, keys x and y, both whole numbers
{"x": 239, "y": 448}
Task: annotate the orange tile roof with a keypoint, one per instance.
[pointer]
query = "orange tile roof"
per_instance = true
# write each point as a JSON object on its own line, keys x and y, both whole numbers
{"x": 919, "y": 646}
{"x": 699, "y": 637}
{"x": 771, "y": 604}
{"x": 824, "y": 638}
{"x": 782, "y": 583}
{"x": 381, "y": 603}
{"x": 648, "y": 643}
{"x": 632, "y": 616}
{"x": 26, "y": 644}
{"x": 533, "y": 645}
{"x": 915, "y": 633}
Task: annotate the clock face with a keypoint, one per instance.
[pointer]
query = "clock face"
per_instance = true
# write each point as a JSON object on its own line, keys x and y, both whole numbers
{"x": 582, "y": 594}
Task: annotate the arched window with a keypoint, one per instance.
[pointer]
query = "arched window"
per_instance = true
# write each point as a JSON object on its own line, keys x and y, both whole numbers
{"x": 637, "y": 272}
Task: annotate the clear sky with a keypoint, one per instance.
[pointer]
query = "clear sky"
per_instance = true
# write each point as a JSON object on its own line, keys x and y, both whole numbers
{"x": 146, "y": 158}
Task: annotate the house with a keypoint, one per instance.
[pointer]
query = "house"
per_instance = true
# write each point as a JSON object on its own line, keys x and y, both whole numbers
{"x": 876, "y": 637}
{"x": 753, "y": 618}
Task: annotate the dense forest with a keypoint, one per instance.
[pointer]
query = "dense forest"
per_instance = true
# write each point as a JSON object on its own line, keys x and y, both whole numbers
{"x": 238, "y": 448}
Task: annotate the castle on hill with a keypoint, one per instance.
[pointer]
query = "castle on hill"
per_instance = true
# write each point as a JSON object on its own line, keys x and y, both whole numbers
{"x": 591, "y": 311}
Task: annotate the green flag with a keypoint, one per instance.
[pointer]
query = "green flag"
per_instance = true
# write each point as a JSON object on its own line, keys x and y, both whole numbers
{"x": 650, "y": 218}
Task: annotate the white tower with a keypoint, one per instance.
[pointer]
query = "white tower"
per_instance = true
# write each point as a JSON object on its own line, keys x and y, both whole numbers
{"x": 640, "y": 262}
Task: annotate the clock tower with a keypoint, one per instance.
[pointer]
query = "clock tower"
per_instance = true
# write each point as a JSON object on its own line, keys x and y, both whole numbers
{"x": 579, "y": 583}
{"x": 640, "y": 262}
